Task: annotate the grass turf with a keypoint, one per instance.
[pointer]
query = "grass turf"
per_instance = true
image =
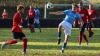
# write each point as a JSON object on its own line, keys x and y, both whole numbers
{"x": 44, "y": 43}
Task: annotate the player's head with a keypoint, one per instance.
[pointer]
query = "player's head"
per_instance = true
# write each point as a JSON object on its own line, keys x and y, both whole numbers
{"x": 74, "y": 6}
{"x": 30, "y": 7}
{"x": 80, "y": 5}
{"x": 4, "y": 10}
{"x": 20, "y": 8}
{"x": 90, "y": 6}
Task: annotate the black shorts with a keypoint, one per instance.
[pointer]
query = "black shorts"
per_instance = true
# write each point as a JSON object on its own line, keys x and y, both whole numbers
{"x": 83, "y": 27}
{"x": 89, "y": 25}
{"x": 18, "y": 35}
{"x": 31, "y": 21}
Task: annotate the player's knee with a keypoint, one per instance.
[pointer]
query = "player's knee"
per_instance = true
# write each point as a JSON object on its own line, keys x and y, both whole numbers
{"x": 59, "y": 26}
{"x": 24, "y": 39}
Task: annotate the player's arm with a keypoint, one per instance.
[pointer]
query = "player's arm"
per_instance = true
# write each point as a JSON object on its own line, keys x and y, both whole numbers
{"x": 80, "y": 21}
{"x": 60, "y": 12}
{"x": 57, "y": 13}
{"x": 17, "y": 20}
{"x": 94, "y": 15}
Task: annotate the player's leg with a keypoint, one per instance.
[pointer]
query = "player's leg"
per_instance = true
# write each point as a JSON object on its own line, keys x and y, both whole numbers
{"x": 85, "y": 38}
{"x": 24, "y": 40}
{"x": 67, "y": 30}
{"x": 24, "y": 45}
{"x": 31, "y": 25}
{"x": 14, "y": 41}
{"x": 38, "y": 24}
{"x": 59, "y": 33}
{"x": 90, "y": 30}
{"x": 65, "y": 43}
{"x": 4, "y": 44}
{"x": 81, "y": 34}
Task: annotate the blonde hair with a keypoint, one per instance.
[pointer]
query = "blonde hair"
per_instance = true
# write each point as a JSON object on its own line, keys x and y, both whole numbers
{"x": 20, "y": 7}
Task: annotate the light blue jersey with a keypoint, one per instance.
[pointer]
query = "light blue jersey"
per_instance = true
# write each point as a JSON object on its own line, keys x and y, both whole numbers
{"x": 71, "y": 16}
{"x": 37, "y": 13}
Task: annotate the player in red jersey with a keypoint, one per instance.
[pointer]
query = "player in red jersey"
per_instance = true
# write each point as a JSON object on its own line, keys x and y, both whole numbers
{"x": 84, "y": 14}
{"x": 17, "y": 30}
{"x": 30, "y": 19}
{"x": 92, "y": 16}
{"x": 5, "y": 17}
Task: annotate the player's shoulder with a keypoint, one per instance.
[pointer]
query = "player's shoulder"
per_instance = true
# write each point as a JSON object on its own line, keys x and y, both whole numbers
{"x": 17, "y": 14}
{"x": 69, "y": 10}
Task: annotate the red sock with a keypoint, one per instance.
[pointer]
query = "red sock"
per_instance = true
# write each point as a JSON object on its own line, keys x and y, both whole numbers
{"x": 80, "y": 38}
{"x": 24, "y": 44}
{"x": 85, "y": 38}
{"x": 11, "y": 42}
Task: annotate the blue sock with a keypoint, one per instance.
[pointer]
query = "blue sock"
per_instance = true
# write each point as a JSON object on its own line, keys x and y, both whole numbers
{"x": 64, "y": 45}
{"x": 59, "y": 35}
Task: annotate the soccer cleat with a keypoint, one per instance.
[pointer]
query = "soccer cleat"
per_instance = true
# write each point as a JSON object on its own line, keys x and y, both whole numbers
{"x": 91, "y": 34}
{"x": 62, "y": 51}
{"x": 24, "y": 53}
{"x": 58, "y": 42}
{"x": 87, "y": 45}
{"x": 3, "y": 45}
{"x": 79, "y": 45}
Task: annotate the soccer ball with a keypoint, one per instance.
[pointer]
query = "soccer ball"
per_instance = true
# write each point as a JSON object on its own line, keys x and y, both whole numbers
{"x": 49, "y": 5}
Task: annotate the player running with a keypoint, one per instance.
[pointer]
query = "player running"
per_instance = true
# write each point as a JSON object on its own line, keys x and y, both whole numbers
{"x": 30, "y": 19}
{"x": 67, "y": 23}
{"x": 36, "y": 18}
{"x": 92, "y": 16}
{"x": 84, "y": 14}
{"x": 17, "y": 30}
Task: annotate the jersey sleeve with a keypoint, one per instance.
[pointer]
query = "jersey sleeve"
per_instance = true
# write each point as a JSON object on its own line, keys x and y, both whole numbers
{"x": 66, "y": 11}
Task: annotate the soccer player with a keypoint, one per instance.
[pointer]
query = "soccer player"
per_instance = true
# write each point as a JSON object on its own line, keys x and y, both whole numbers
{"x": 36, "y": 18}
{"x": 69, "y": 19}
{"x": 92, "y": 16}
{"x": 17, "y": 30}
{"x": 5, "y": 17}
{"x": 30, "y": 19}
{"x": 84, "y": 14}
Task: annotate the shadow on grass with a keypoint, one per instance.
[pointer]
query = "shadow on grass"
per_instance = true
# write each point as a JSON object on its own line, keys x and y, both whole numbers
{"x": 53, "y": 47}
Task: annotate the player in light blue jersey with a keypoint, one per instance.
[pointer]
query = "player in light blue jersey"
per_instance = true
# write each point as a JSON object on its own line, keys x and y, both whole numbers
{"x": 71, "y": 16}
{"x": 36, "y": 18}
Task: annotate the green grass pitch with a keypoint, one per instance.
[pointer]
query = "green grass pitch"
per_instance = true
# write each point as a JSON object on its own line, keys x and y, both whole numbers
{"x": 44, "y": 43}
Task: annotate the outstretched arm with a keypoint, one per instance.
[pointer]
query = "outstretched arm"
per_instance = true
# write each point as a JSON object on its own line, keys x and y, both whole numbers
{"x": 57, "y": 13}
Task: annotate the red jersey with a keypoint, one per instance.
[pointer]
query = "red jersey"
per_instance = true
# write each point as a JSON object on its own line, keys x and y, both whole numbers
{"x": 83, "y": 13}
{"x": 92, "y": 14}
{"x": 31, "y": 13}
{"x": 17, "y": 22}
{"x": 4, "y": 15}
